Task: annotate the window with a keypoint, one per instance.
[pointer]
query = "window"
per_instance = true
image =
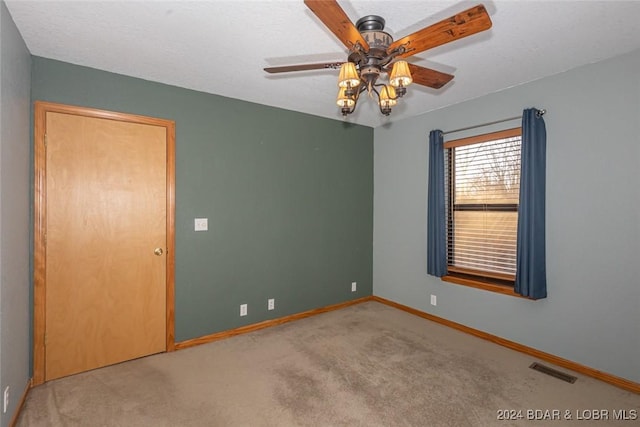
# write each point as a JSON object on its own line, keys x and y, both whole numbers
{"x": 482, "y": 184}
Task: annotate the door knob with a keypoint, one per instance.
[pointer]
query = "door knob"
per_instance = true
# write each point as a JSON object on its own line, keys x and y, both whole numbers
{"x": 158, "y": 251}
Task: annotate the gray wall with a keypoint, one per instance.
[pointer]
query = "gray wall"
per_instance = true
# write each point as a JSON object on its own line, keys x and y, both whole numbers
{"x": 15, "y": 197}
{"x": 289, "y": 198}
{"x": 592, "y": 314}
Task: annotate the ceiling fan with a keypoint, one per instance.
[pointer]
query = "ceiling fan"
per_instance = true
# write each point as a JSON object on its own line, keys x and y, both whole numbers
{"x": 373, "y": 52}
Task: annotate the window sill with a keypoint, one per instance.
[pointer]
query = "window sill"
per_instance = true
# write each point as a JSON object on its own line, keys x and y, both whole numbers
{"x": 505, "y": 290}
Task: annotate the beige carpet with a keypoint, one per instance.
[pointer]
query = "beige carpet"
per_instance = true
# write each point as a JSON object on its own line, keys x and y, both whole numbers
{"x": 365, "y": 365}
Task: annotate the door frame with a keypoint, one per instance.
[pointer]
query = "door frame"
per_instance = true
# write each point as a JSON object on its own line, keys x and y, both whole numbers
{"x": 41, "y": 109}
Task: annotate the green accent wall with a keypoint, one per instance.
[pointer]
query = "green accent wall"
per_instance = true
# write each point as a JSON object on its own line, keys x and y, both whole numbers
{"x": 289, "y": 197}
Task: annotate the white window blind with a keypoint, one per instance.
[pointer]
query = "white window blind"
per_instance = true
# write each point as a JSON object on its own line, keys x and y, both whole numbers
{"x": 483, "y": 180}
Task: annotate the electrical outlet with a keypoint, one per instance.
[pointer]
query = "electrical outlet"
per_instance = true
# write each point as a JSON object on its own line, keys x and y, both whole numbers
{"x": 434, "y": 300}
{"x": 271, "y": 304}
{"x": 243, "y": 309}
{"x": 354, "y": 286}
{"x": 6, "y": 400}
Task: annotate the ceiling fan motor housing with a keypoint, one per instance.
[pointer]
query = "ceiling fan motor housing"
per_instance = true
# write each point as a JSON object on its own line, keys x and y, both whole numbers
{"x": 370, "y": 27}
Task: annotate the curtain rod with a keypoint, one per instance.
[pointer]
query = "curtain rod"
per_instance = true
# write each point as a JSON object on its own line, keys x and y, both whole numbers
{"x": 539, "y": 114}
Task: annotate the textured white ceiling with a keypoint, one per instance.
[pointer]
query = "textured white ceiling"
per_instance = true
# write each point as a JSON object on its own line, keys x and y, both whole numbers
{"x": 221, "y": 47}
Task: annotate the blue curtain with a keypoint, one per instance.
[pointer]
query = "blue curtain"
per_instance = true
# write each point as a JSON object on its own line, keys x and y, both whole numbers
{"x": 531, "y": 274}
{"x": 436, "y": 221}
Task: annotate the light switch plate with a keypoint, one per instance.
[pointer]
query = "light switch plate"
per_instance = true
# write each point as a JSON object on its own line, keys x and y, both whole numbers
{"x": 201, "y": 224}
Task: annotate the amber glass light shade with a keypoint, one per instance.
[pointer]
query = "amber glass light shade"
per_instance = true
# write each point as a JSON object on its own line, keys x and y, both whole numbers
{"x": 387, "y": 93}
{"x": 344, "y": 100}
{"x": 400, "y": 74}
{"x": 348, "y": 75}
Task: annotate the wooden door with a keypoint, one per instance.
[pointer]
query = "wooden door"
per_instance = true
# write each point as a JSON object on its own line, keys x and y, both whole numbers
{"x": 106, "y": 216}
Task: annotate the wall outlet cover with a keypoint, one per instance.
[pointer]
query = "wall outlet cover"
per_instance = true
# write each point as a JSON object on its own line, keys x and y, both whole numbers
{"x": 271, "y": 304}
{"x": 243, "y": 309}
{"x": 201, "y": 224}
{"x": 354, "y": 286}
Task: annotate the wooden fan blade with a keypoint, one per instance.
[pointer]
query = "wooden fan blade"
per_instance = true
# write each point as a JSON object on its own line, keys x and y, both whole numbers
{"x": 304, "y": 67}
{"x": 463, "y": 24}
{"x": 336, "y": 20}
{"x": 428, "y": 77}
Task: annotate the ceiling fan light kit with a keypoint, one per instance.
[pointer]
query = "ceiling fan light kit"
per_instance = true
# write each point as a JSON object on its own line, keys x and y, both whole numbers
{"x": 373, "y": 52}
{"x": 351, "y": 84}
